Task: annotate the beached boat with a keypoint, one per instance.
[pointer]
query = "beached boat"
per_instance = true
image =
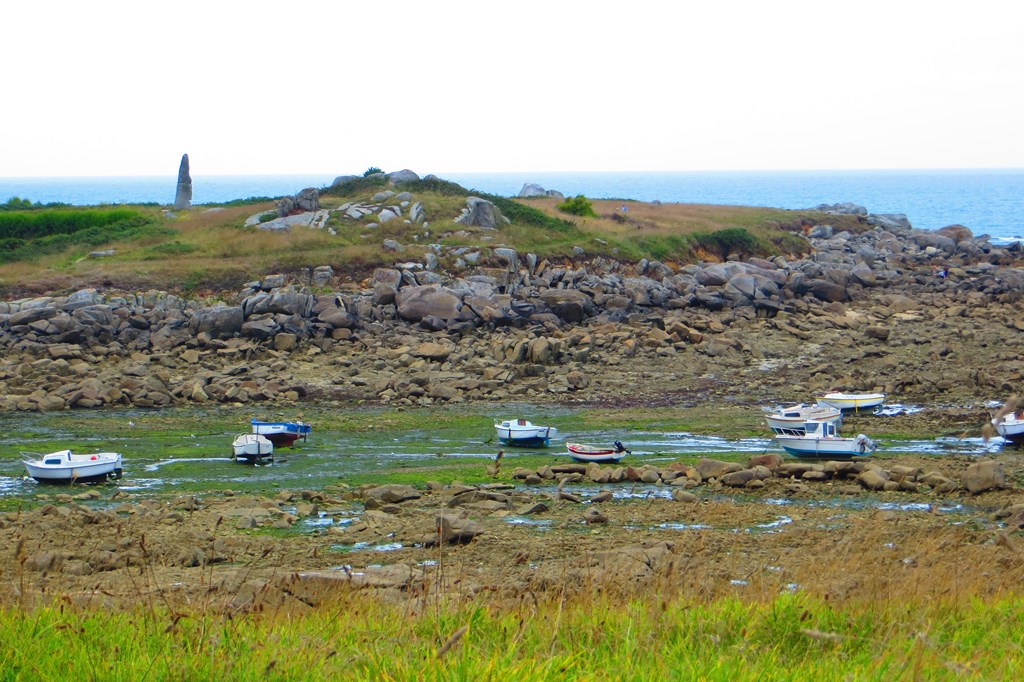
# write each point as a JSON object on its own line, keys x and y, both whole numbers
{"x": 821, "y": 440}
{"x": 1010, "y": 426}
{"x": 251, "y": 446}
{"x": 851, "y": 401}
{"x": 597, "y": 453}
{"x": 281, "y": 434}
{"x": 65, "y": 466}
{"x": 521, "y": 433}
{"x": 789, "y": 421}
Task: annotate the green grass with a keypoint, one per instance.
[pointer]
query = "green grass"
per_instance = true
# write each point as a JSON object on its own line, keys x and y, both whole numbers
{"x": 589, "y": 637}
{"x": 199, "y": 252}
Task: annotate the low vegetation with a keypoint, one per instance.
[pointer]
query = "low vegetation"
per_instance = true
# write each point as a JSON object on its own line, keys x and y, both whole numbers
{"x": 578, "y": 205}
{"x": 568, "y": 637}
{"x": 202, "y": 250}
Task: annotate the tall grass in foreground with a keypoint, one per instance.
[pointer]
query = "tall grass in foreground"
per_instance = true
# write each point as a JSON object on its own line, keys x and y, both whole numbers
{"x": 360, "y": 637}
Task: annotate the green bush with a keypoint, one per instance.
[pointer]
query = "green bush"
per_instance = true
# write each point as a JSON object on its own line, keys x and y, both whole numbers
{"x": 577, "y": 205}
{"x": 354, "y": 186}
{"x": 246, "y": 202}
{"x": 371, "y": 170}
{"x": 528, "y": 215}
{"x": 44, "y": 237}
{"x": 174, "y": 248}
{"x": 727, "y": 241}
{"x": 438, "y": 186}
{"x": 18, "y": 204}
{"x": 35, "y": 224}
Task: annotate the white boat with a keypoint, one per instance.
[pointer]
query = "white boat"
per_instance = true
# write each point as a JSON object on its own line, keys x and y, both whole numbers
{"x": 851, "y": 401}
{"x": 521, "y": 433}
{"x": 1010, "y": 426}
{"x": 65, "y": 466}
{"x": 789, "y": 421}
{"x": 597, "y": 453}
{"x": 821, "y": 440}
{"x": 251, "y": 446}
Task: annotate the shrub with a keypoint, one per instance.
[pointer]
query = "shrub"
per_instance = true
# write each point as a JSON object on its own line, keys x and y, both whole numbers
{"x": 246, "y": 202}
{"x": 528, "y": 215}
{"x": 53, "y": 231}
{"x": 371, "y": 170}
{"x": 354, "y": 186}
{"x": 18, "y": 204}
{"x": 34, "y": 224}
{"x": 577, "y": 205}
{"x": 727, "y": 241}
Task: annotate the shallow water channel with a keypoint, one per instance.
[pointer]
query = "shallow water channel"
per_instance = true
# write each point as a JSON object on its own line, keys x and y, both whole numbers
{"x": 162, "y": 461}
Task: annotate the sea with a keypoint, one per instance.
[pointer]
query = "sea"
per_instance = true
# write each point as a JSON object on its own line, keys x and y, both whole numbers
{"x": 989, "y": 202}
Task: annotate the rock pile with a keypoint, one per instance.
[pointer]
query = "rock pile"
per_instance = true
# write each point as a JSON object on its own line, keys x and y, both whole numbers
{"x": 851, "y": 477}
{"x": 861, "y": 311}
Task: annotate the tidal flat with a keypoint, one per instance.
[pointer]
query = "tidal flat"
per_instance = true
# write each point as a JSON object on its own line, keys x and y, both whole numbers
{"x": 341, "y": 552}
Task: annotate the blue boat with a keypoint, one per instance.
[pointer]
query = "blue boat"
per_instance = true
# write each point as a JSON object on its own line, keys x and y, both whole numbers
{"x": 281, "y": 434}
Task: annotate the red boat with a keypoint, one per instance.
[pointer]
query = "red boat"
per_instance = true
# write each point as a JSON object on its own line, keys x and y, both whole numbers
{"x": 596, "y": 453}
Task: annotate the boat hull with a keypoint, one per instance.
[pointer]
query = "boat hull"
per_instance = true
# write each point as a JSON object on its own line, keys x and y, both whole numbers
{"x": 590, "y": 453}
{"x": 825, "y": 448}
{"x": 251, "y": 447}
{"x": 519, "y": 441}
{"x": 522, "y": 434}
{"x": 66, "y": 467}
{"x": 1012, "y": 430}
{"x": 851, "y": 402}
{"x": 281, "y": 434}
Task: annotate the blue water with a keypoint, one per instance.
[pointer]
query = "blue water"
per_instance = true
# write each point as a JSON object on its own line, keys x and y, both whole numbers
{"x": 987, "y": 201}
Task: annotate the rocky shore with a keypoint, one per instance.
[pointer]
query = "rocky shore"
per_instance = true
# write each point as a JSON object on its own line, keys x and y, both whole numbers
{"x": 921, "y": 315}
{"x": 859, "y": 530}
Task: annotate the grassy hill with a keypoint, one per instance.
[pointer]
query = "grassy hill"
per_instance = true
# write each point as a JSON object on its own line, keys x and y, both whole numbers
{"x": 209, "y": 248}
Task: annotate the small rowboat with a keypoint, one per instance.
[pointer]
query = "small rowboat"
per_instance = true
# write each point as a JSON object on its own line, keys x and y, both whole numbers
{"x": 596, "y": 453}
{"x": 281, "y": 434}
{"x": 851, "y": 401}
{"x": 251, "y": 447}
{"x": 65, "y": 466}
{"x": 521, "y": 433}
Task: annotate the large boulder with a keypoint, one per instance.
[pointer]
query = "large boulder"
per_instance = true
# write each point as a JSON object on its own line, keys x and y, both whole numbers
{"x": 308, "y": 199}
{"x": 957, "y": 233}
{"x": 417, "y": 302}
{"x": 985, "y": 475}
{"x": 713, "y": 468}
{"x": 404, "y": 175}
{"x": 824, "y": 290}
{"x": 531, "y": 190}
{"x": 479, "y": 213}
{"x": 220, "y": 322}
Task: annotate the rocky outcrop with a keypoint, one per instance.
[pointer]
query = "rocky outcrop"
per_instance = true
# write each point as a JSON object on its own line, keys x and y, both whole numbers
{"x": 480, "y": 213}
{"x": 530, "y": 190}
{"x": 497, "y": 324}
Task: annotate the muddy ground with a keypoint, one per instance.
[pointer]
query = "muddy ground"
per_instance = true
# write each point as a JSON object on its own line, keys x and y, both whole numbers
{"x": 102, "y": 547}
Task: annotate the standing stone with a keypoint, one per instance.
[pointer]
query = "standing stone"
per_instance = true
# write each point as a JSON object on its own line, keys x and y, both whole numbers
{"x": 183, "y": 197}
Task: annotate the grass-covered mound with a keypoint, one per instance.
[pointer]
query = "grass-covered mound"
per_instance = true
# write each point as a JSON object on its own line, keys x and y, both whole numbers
{"x": 209, "y": 248}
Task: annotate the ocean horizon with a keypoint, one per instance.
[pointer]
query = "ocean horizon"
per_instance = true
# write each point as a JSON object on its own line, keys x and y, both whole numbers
{"x": 988, "y": 201}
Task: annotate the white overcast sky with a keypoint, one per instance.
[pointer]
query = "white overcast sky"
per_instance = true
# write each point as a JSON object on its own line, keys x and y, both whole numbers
{"x": 125, "y": 88}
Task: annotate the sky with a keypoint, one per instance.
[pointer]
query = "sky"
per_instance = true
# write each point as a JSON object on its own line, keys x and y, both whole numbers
{"x": 125, "y": 88}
